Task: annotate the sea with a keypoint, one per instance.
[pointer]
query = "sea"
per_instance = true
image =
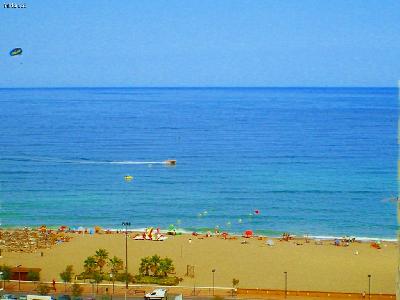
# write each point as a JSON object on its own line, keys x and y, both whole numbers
{"x": 309, "y": 161}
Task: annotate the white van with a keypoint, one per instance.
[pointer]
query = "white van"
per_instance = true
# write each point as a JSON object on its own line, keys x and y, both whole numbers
{"x": 157, "y": 294}
{"x": 38, "y": 297}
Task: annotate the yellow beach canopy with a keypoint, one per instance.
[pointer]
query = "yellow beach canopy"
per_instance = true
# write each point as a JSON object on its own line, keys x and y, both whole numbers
{"x": 128, "y": 177}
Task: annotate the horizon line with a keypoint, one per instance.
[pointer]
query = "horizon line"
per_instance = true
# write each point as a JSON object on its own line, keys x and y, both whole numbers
{"x": 200, "y": 87}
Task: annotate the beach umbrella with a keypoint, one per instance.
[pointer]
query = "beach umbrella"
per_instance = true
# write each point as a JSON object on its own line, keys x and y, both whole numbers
{"x": 62, "y": 228}
{"x": 248, "y": 233}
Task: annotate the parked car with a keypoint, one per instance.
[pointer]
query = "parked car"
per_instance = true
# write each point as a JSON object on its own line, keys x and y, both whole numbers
{"x": 64, "y": 297}
{"x": 22, "y": 297}
{"x": 157, "y": 294}
{"x": 8, "y": 297}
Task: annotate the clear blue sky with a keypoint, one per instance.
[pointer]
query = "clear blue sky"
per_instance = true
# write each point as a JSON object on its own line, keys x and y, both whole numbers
{"x": 201, "y": 43}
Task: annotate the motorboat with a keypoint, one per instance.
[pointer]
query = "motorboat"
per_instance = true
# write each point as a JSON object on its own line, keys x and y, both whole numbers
{"x": 171, "y": 162}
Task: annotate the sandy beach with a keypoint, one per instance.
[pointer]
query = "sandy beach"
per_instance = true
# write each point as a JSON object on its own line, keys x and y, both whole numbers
{"x": 309, "y": 266}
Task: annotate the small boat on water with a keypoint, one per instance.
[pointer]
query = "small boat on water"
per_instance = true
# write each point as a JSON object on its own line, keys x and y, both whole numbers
{"x": 171, "y": 162}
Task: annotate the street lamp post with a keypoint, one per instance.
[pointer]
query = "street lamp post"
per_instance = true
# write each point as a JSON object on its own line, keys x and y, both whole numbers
{"x": 194, "y": 284}
{"x": 112, "y": 278}
{"x": 213, "y": 273}
{"x": 369, "y": 286}
{"x": 19, "y": 277}
{"x": 126, "y": 224}
{"x": 285, "y": 283}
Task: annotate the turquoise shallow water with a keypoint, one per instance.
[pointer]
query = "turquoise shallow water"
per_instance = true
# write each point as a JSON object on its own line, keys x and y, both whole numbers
{"x": 317, "y": 161}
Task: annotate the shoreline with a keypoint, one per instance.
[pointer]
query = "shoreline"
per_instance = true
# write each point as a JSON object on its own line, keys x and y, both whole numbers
{"x": 183, "y": 231}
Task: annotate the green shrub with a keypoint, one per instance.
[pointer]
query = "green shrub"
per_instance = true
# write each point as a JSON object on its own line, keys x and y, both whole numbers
{"x": 33, "y": 276}
{"x": 235, "y": 282}
{"x": 6, "y": 272}
{"x": 76, "y": 290}
{"x": 43, "y": 289}
{"x": 157, "y": 280}
{"x": 121, "y": 277}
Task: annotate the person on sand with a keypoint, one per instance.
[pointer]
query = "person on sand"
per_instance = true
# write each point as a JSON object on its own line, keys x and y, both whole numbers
{"x": 307, "y": 238}
{"x": 54, "y": 285}
{"x": 285, "y": 236}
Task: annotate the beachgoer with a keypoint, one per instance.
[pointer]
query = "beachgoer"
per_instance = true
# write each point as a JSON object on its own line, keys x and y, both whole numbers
{"x": 54, "y": 285}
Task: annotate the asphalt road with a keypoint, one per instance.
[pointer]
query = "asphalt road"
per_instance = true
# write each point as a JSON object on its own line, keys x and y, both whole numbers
{"x": 105, "y": 297}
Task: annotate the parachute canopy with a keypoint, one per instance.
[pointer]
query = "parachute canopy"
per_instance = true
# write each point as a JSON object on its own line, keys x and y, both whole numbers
{"x": 16, "y": 51}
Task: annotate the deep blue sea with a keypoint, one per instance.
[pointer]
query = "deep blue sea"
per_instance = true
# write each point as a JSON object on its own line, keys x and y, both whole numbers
{"x": 316, "y": 161}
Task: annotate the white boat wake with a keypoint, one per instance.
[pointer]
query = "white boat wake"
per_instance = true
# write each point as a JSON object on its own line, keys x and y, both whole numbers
{"x": 87, "y": 161}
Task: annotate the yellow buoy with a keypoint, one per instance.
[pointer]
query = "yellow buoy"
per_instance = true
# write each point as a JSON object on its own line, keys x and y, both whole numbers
{"x": 128, "y": 177}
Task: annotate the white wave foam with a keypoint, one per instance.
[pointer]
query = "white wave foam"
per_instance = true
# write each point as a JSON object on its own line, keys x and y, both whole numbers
{"x": 362, "y": 239}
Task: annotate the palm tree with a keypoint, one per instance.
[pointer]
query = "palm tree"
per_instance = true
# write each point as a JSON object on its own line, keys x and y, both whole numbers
{"x": 89, "y": 265}
{"x": 115, "y": 265}
{"x": 145, "y": 266}
{"x": 154, "y": 264}
{"x": 101, "y": 257}
{"x": 97, "y": 278}
{"x": 166, "y": 266}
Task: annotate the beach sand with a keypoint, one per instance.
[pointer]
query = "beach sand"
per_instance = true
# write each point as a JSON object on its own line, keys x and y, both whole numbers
{"x": 309, "y": 266}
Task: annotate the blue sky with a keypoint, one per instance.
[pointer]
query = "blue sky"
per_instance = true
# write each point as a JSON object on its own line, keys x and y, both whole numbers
{"x": 201, "y": 43}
